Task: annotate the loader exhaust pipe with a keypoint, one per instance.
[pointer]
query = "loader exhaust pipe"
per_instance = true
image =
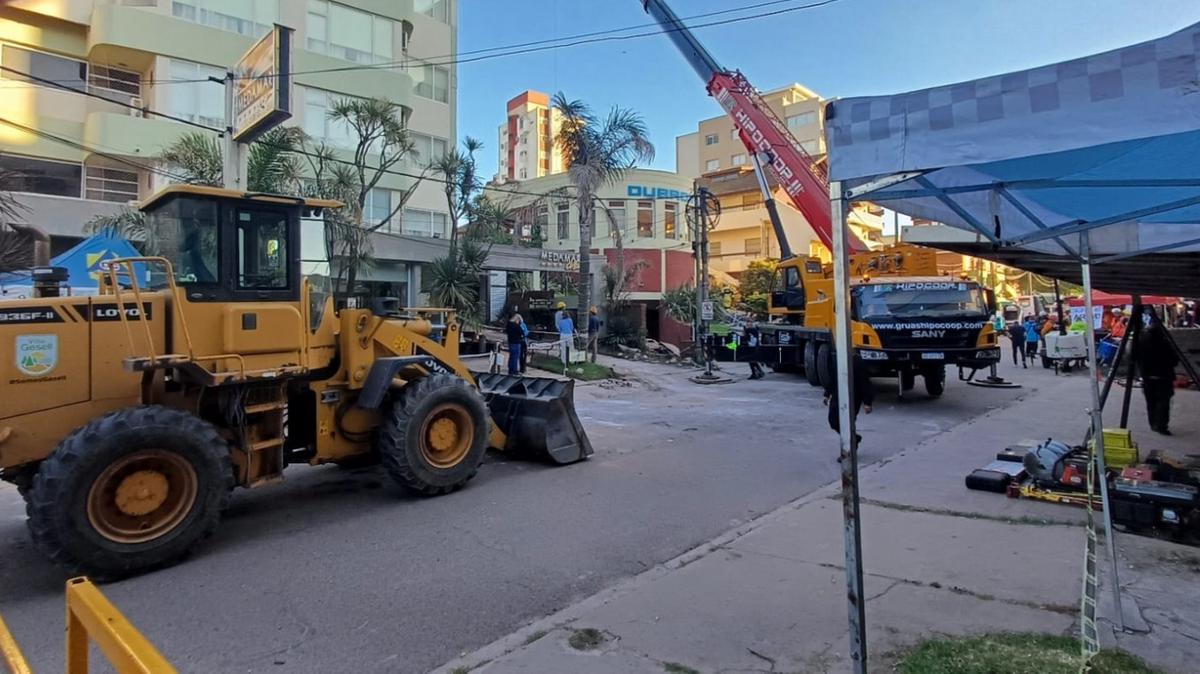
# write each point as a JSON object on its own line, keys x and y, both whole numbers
{"x": 537, "y": 415}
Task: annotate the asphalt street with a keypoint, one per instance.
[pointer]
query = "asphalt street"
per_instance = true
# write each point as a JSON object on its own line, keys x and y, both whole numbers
{"x": 337, "y": 570}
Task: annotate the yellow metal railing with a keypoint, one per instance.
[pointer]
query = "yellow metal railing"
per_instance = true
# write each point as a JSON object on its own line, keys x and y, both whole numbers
{"x": 124, "y": 267}
{"x": 10, "y": 653}
{"x": 93, "y": 619}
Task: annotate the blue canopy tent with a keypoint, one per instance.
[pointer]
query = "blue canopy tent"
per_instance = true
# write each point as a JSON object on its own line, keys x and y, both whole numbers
{"x": 1070, "y": 168}
{"x": 82, "y": 263}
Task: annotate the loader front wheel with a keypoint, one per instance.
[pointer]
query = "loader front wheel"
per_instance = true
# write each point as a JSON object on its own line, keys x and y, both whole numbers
{"x": 133, "y": 490}
{"x": 434, "y": 437}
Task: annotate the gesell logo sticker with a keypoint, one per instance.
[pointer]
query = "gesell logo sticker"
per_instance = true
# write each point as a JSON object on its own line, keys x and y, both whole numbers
{"x": 37, "y": 355}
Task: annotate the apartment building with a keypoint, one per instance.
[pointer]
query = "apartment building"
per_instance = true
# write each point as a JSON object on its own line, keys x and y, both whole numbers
{"x": 77, "y": 155}
{"x": 525, "y": 140}
{"x": 715, "y": 145}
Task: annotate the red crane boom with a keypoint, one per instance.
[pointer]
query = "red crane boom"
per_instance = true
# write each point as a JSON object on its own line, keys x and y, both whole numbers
{"x": 762, "y": 132}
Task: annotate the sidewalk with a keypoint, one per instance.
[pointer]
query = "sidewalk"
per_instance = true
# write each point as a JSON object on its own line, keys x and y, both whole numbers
{"x": 939, "y": 559}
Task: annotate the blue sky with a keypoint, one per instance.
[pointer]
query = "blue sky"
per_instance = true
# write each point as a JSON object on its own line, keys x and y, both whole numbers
{"x": 848, "y": 48}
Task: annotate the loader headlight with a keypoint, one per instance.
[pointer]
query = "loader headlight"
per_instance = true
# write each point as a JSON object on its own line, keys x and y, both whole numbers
{"x": 988, "y": 354}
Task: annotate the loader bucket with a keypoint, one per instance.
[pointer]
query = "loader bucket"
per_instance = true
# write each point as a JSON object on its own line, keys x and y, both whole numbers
{"x": 537, "y": 415}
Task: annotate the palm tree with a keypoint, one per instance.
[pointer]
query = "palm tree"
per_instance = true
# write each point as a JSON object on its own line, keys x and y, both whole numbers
{"x": 598, "y": 152}
{"x": 271, "y": 163}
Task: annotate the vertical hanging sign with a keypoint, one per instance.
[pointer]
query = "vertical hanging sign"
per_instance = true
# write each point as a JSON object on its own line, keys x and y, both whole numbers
{"x": 262, "y": 86}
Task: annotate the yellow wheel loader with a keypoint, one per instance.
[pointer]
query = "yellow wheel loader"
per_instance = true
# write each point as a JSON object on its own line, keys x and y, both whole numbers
{"x": 127, "y": 417}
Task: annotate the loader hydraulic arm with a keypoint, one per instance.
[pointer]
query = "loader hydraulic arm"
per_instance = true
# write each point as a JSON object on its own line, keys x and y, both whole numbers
{"x": 765, "y": 136}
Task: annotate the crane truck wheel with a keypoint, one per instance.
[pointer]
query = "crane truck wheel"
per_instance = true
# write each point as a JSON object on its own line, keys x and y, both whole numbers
{"x": 935, "y": 381}
{"x": 130, "y": 491}
{"x": 434, "y": 437}
{"x": 824, "y": 374}
{"x": 810, "y": 363}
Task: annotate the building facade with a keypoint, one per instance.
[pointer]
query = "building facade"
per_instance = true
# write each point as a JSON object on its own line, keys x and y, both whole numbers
{"x": 91, "y": 143}
{"x": 715, "y": 145}
{"x": 525, "y": 140}
{"x": 641, "y": 217}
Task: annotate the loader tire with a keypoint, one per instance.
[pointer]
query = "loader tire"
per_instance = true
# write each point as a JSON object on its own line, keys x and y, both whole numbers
{"x": 434, "y": 437}
{"x": 130, "y": 491}
{"x": 935, "y": 381}
{"x": 810, "y": 363}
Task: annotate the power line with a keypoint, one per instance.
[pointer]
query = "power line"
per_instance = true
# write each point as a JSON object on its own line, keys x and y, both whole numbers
{"x": 85, "y": 148}
{"x": 541, "y": 45}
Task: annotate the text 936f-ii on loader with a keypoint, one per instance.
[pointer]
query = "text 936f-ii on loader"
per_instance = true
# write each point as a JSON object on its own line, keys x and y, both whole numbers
{"x": 127, "y": 417}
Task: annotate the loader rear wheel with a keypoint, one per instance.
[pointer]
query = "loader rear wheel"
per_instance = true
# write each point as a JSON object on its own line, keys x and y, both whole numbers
{"x": 133, "y": 490}
{"x": 810, "y": 363}
{"x": 826, "y": 370}
{"x": 433, "y": 439}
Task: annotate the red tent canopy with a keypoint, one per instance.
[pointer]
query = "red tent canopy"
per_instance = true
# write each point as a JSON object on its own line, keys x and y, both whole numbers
{"x": 1101, "y": 298}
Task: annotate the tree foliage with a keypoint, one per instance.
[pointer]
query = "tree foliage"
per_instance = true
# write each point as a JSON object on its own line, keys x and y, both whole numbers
{"x": 755, "y": 285}
{"x": 680, "y": 304}
{"x": 128, "y": 224}
{"x": 454, "y": 280}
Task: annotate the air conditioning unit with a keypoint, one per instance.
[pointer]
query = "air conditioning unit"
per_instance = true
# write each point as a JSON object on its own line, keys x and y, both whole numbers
{"x": 136, "y": 107}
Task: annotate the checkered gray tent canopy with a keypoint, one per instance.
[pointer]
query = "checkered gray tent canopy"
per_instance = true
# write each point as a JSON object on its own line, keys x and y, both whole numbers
{"x": 1108, "y": 143}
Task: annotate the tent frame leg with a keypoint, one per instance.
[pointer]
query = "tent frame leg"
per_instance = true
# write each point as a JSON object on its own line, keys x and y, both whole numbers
{"x": 1097, "y": 415}
{"x": 848, "y": 456}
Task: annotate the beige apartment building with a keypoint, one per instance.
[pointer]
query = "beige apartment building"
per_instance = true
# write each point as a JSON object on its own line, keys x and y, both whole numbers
{"x": 715, "y": 146}
{"x": 525, "y": 141}
{"x": 78, "y": 155}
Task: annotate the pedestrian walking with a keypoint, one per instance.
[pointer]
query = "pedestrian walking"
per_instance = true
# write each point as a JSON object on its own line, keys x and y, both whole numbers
{"x": 593, "y": 346}
{"x": 566, "y": 332}
{"x": 1033, "y": 336}
{"x": 1017, "y": 335}
{"x": 1157, "y": 362}
{"x": 516, "y": 338}
{"x": 864, "y": 393}
{"x": 524, "y": 345}
{"x": 752, "y": 337}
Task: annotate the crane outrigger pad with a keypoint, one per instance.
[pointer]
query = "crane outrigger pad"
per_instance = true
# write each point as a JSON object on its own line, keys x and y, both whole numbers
{"x": 537, "y": 415}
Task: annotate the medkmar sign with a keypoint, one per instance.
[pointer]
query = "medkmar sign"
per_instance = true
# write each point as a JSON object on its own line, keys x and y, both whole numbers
{"x": 565, "y": 259}
{"x": 262, "y": 86}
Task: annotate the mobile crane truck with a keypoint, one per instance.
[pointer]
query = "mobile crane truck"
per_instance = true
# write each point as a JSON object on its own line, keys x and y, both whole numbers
{"x": 907, "y": 319}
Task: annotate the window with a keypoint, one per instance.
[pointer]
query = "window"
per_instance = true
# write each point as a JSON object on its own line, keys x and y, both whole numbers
{"x": 562, "y": 218}
{"x": 645, "y": 219}
{"x": 262, "y": 253}
{"x": 114, "y": 84}
{"x": 712, "y": 139}
{"x": 431, "y": 81}
{"x": 65, "y": 72}
{"x": 669, "y": 219}
{"x": 438, "y": 9}
{"x": 317, "y": 104}
{"x": 201, "y": 102}
{"x": 714, "y": 247}
{"x": 378, "y": 207}
{"x": 617, "y": 210}
{"x": 418, "y": 222}
{"x": 733, "y": 134}
{"x": 541, "y": 222}
{"x": 109, "y": 184}
{"x": 712, "y": 165}
{"x": 247, "y": 17}
{"x": 802, "y": 119}
{"x": 810, "y": 146}
{"x": 347, "y": 33}
{"x": 738, "y": 160}
{"x": 427, "y": 149}
{"x": 41, "y": 176}
{"x": 185, "y": 232}
{"x": 753, "y": 246}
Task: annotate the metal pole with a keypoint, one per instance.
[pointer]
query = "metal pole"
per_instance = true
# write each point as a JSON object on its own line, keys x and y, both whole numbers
{"x": 848, "y": 457}
{"x": 702, "y": 284}
{"x": 229, "y": 174}
{"x": 1098, "y": 432}
{"x": 1133, "y": 331}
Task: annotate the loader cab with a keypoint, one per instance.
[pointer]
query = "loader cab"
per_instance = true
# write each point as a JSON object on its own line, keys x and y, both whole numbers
{"x": 228, "y": 246}
{"x": 791, "y": 285}
{"x": 238, "y": 270}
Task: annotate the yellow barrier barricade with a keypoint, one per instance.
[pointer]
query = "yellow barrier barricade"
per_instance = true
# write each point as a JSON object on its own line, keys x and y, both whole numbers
{"x": 92, "y": 618}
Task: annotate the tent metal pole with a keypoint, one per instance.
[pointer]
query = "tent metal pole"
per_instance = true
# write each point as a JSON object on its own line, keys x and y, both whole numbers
{"x": 848, "y": 457}
{"x": 1133, "y": 330}
{"x": 1112, "y": 371}
{"x": 1097, "y": 413}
